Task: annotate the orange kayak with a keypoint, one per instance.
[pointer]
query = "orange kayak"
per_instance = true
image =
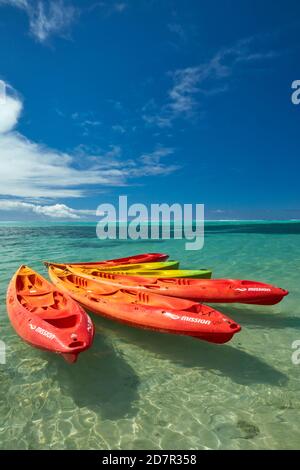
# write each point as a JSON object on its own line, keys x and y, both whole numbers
{"x": 146, "y": 310}
{"x": 135, "y": 259}
{"x": 46, "y": 318}
{"x": 202, "y": 290}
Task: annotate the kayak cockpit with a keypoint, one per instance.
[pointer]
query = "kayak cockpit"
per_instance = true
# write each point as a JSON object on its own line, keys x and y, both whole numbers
{"x": 35, "y": 295}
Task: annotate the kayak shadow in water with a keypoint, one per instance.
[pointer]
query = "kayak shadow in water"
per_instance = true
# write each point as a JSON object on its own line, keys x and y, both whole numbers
{"x": 253, "y": 316}
{"x": 101, "y": 380}
{"x": 242, "y": 367}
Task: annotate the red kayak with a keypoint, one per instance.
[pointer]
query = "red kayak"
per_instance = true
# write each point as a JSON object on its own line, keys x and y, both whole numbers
{"x": 136, "y": 259}
{"x": 46, "y": 318}
{"x": 146, "y": 310}
{"x": 202, "y": 290}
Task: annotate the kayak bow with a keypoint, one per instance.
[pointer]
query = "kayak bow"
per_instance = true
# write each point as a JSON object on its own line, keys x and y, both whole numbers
{"x": 46, "y": 318}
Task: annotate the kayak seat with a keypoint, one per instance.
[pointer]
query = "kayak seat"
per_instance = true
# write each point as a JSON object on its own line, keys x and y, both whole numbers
{"x": 94, "y": 295}
{"x": 38, "y": 299}
{"x": 60, "y": 318}
{"x": 44, "y": 301}
{"x": 28, "y": 282}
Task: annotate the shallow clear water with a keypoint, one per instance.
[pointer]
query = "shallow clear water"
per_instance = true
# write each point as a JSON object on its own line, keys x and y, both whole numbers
{"x": 142, "y": 390}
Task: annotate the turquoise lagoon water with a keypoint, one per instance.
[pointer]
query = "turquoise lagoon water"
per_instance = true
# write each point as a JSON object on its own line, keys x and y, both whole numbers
{"x": 143, "y": 390}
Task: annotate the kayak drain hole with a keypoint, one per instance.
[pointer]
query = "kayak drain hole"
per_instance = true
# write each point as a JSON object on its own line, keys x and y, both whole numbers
{"x": 233, "y": 325}
{"x": 75, "y": 344}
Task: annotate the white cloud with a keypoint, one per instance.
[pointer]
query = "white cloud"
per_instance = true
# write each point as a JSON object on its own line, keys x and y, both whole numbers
{"x": 46, "y": 18}
{"x": 10, "y": 110}
{"x": 185, "y": 86}
{"x": 102, "y": 159}
{"x": 155, "y": 157}
{"x": 155, "y": 169}
{"x": 57, "y": 211}
{"x": 119, "y": 128}
{"x": 158, "y": 119}
{"x": 152, "y": 165}
{"x": 86, "y": 121}
{"x": 89, "y": 122}
{"x": 15, "y": 3}
{"x": 203, "y": 80}
{"x": 49, "y": 18}
{"x": 32, "y": 170}
{"x": 54, "y": 18}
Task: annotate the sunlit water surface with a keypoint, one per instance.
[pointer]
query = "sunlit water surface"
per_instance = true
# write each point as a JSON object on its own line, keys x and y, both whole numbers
{"x": 143, "y": 390}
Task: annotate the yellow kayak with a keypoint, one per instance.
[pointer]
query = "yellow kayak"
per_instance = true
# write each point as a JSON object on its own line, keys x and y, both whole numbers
{"x": 138, "y": 271}
{"x": 165, "y": 273}
{"x": 136, "y": 268}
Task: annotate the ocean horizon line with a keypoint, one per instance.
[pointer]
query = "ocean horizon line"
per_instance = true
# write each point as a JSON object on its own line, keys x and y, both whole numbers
{"x": 78, "y": 222}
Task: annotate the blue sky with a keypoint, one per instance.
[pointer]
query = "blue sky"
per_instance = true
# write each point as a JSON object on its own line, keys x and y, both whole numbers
{"x": 171, "y": 101}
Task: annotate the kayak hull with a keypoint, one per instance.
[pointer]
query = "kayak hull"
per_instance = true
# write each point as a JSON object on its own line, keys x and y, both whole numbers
{"x": 135, "y": 259}
{"x": 146, "y": 310}
{"x": 46, "y": 318}
{"x": 202, "y": 290}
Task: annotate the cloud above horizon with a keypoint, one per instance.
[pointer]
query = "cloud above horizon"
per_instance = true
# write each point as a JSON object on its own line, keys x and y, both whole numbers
{"x": 57, "y": 211}
{"x": 32, "y": 170}
{"x": 10, "y": 111}
{"x": 190, "y": 85}
{"x": 47, "y": 18}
